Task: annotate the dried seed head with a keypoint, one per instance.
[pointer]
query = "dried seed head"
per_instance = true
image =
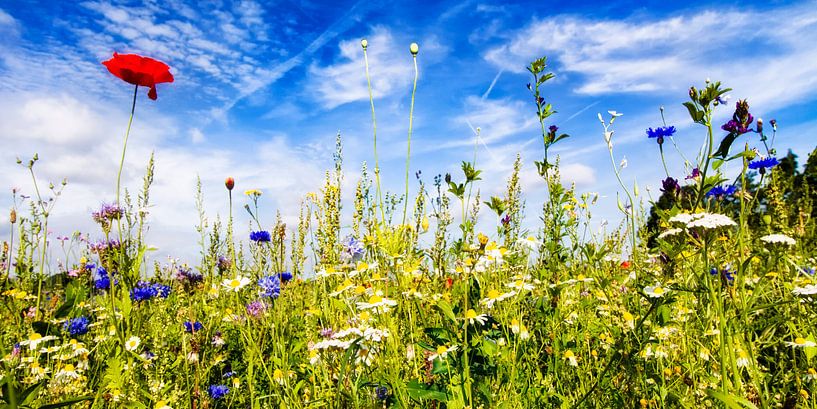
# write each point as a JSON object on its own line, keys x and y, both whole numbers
{"x": 13, "y": 216}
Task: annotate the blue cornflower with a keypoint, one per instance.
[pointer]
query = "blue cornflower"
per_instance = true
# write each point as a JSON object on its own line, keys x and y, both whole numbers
{"x": 722, "y": 191}
{"x": 726, "y": 275}
{"x": 145, "y": 290}
{"x": 191, "y": 326}
{"x": 261, "y": 236}
{"x": 270, "y": 286}
{"x": 76, "y": 326}
{"x": 661, "y": 132}
{"x": 762, "y": 164}
{"x": 382, "y": 392}
{"x": 103, "y": 282}
{"x": 218, "y": 391}
{"x": 285, "y": 276}
{"x": 352, "y": 249}
{"x": 808, "y": 270}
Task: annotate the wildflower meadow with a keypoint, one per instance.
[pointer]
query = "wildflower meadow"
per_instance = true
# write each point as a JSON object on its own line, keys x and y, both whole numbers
{"x": 433, "y": 296}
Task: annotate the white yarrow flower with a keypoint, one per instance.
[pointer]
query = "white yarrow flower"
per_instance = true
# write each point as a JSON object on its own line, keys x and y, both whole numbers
{"x": 778, "y": 239}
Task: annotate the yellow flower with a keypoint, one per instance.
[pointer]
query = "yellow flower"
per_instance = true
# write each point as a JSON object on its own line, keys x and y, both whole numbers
{"x": 424, "y": 224}
{"x": 252, "y": 192}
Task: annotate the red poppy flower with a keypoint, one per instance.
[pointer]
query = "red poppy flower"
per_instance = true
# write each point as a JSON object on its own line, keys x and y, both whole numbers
{"x": 137, "y": 70}
{"x": 625, "y": 264}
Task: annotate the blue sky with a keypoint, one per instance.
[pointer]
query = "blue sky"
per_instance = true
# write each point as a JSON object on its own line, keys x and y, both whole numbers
{"x": 261, "y": 90}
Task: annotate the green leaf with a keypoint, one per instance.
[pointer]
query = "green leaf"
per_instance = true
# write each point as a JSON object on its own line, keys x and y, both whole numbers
{"x": 731, "y": 401}
{"x": 447, "y": 309}
{"x": 726, "y": 143}
{"x": 418, "y": 390}
{"x": 441, "y": 336}
{"x": 67, "y": 402}
{"x": 694, "y": 113}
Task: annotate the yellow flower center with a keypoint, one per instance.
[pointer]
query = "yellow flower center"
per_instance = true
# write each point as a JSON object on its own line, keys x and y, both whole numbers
{"x": 800, "y": 341}
{"x": 493, "y": 294}
{"x": 362, "y": 266}
{"x": 569, "y": 354}
{"x": 34, "y": 337}
{"x": 375, "y": 299}
{"x": 470, "y": 314}
{"x": 68, "y": 368}
{"x": 360, "y": 290}
{"x": 235, "y": 283}
{"x": 364, "y": 316}
{"x": 519, "y": 283}
{"x": 277, "y": 374}
{"x": 441, "y": 349}
{"x": 658, "y": 290}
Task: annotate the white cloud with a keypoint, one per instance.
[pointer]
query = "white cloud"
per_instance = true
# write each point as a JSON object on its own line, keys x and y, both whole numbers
{"x": 390, "y": 68}
{"x": 664, "y": 55}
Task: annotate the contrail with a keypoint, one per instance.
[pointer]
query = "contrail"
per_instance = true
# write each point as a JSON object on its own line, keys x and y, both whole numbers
{"x": 338, "y": 27}
{"x": 582, "y": 110}
{"x": 491, "y": 87}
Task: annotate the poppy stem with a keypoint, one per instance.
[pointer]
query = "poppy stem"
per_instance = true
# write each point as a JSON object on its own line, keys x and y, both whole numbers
{"x": 125, "y": 146}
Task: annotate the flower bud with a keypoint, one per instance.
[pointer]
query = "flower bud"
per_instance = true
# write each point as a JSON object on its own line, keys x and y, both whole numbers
{"x": 13, "y": 216}
{"x": 759, "y": 125}
{"x": 364, "y": 43}
{"x": 693, "y": 93}
{"x": 229, "y": 183}
{"x": 414, "y": 48}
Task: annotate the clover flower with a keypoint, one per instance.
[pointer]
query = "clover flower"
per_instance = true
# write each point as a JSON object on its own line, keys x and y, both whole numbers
{"x": 270, "y": 286}
{"x": 76, "y": 326}
{"x": 261, "y": 236}
{"x": 762, "y": 164}
{"x": 193, "y": 326}
{"x": 719, "y": 192}
{"x": 218, "y": 391}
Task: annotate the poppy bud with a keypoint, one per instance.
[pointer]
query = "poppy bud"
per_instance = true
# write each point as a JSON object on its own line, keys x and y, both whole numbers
{"x": 364, "y": 43}
{"x": 414, "y": 48}
{"x": 229, "y": 183}
{"x": 13, "y": 216}
{"x": 692, "y": 92}
{"x": 774, "y": 124}
{"x": 759, "y": 125}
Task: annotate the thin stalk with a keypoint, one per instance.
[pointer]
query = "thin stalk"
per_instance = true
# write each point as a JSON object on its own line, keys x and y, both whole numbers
{"x": 125, "y": 146}
{"x": 408, "y": 149}
{"x": 708, "y": 158}
{"x": 374, "y": 133}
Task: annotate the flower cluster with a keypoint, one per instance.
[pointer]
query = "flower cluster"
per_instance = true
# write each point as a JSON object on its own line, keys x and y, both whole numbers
{"x": 145, "y": 291}
{"x": 193, "y": 326}
{"x": 188, "y": 277}
{"x": 103, "y": 280}
{"x": 107, "y": 213}
{"x": 741, "y": 119}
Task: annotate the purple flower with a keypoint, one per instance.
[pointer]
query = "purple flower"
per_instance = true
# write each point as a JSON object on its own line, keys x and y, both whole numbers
{"x": 327, "y": 332}
{"x": 107, "y": 213}
{"x": 261, "y": 236}
{"x": 741, "y": 119}
{"x": 218, "y": 391}
{"x": 720, "y": 192}
{"x": 188, "y": 277}
{"x": 256, "y": 308}
{"x": 670, "y": 185}
{"x": 553, "y": 129}
{"x": 695, "y": 173}
{"x": 224, "y": 263}
{"x": 103, "y": 281}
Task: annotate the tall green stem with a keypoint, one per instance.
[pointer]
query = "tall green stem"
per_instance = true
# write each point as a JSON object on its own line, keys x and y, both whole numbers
{"x": 125, "y": 146}
{"x": 408, "y": 149}
{"x": 379, "y": 197}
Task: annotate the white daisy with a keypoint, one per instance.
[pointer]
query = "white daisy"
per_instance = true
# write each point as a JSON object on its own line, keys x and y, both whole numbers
{"x": 442, "y": 352}
{"x": 34, "y": 340}
{"x": 132, "y": 343}
{"x": 66, "y": 373}
{"x": 655, "y": 291}
{"x": 235, "y": 284}
{"x": 493, "y": 296}
{"x": 800, "y": 342}
{"x": 520, "y": 285}
{"x": 529, "y": 243}
{"x": 472, "y": 317}
{"x": 377, "y": 303}
{"x": 570, "y": 357}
